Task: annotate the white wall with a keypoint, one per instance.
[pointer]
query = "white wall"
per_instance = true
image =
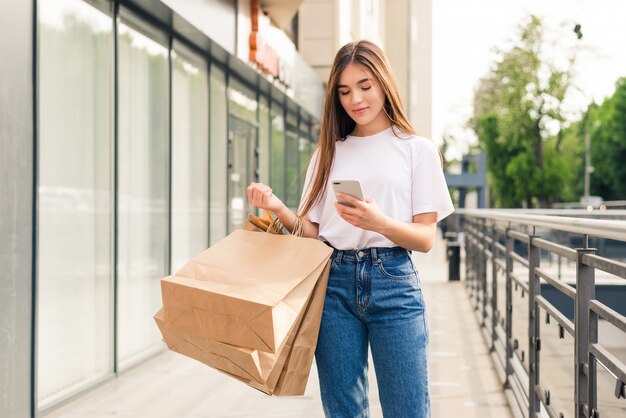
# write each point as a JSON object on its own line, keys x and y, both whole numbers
{"x": 215, "y": 18}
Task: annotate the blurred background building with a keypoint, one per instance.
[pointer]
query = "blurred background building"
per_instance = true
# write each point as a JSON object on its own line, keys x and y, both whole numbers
{"x": 130, "y": 130}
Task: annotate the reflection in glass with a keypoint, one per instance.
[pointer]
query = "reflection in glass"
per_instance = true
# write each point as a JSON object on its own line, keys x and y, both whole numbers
{"x": 142, "y": 188}
{"x": 190, "y": 168}
{"x": 74, "y": 228}
{"x": 240, "y": 172}
{"x": 304, "y": 153}
{"x": 264, "y": 141}
{"x": 277, "y": 152}
{"x": 242, "y": 126}
{"x": 219, "y": 138}
{"x": 292, "y": 159}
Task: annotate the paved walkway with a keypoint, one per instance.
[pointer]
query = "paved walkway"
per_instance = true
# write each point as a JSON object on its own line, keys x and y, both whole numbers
{"x": 463, "y": 381}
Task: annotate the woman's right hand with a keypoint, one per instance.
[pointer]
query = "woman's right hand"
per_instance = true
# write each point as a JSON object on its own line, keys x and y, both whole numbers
{"x": 261, "y": 196}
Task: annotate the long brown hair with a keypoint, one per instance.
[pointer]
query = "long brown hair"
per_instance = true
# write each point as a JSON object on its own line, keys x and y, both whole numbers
{"x": 337, "y": 124}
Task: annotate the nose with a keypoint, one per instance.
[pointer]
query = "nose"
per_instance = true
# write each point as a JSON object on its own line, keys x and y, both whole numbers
{"x": 357, "y": 97}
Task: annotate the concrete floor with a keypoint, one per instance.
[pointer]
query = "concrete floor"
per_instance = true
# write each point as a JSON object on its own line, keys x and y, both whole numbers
{"x": 463, "y": 381}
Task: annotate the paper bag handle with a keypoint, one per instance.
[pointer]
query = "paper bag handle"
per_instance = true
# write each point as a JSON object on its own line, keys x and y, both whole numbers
{"x": 276, "y": 226}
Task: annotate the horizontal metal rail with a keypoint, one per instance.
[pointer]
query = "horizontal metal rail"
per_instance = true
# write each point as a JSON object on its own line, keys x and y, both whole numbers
{"x": 598, "y": 228}
{"x": 556, "y": 248}
{"x": 613, "y": 267}
{"x": 519, "y": 259}
{"x": 615, "y": 318}
{"x": 518, "y": 235}
{"x": 609, "y": 361}
{"x": 562, "y": 287}
{"x": 565, "y": 323}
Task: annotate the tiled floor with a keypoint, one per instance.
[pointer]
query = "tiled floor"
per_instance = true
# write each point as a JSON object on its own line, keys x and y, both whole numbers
{"x": 463, "y": 382}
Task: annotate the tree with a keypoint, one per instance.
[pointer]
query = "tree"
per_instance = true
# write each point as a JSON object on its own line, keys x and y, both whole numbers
{"x": 607, "y": 125}
{"x": 515, "y": 104}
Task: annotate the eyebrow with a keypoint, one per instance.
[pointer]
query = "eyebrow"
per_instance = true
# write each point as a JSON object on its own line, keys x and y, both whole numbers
{"x": 358, "y": 82}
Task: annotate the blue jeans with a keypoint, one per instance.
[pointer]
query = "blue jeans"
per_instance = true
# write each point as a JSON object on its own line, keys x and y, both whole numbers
{"x": 373, "y": 296}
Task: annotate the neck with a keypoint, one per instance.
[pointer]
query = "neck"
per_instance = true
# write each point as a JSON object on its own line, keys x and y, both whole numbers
{"x": 372, "y": 128}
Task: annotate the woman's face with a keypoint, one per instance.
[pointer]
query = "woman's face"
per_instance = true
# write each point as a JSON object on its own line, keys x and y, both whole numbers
{"x": 361, "y": 95}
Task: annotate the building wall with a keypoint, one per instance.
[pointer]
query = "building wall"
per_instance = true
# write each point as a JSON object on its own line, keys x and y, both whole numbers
{"x": 217, "y": 19}
{"x": 420, "y": 100}
{"x": 16, "y": 207}
{"x": 402, "y": 27}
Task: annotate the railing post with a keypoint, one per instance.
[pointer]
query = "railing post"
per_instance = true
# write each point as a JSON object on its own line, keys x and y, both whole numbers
{"x": 534, "y": 344}
{"x": 469, "y": 256}
{"x": 476, "y": 264}
{"x": 483, "y": 271}
{"x": 494, "y": 287}
{"x": 508, "y": 328}
{"x": 586, "y": 333}
{"x": 468, "y": 251}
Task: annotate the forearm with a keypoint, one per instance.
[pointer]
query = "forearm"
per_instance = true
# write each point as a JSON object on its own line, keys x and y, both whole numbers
{"x": 413, "y": 236}
{"x": 288, "y": 219}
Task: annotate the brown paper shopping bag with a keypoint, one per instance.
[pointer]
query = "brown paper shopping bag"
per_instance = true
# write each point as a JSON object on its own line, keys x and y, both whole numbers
{"x": 254, "y": 324}
{"x": 271, "y": 373}
{"x": 188, "y": 334}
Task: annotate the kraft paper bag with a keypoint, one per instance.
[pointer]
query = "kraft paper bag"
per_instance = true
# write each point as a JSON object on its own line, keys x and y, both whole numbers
{"x": 285, "y": 373}
{"x": 260, "y": 324}
{"x": 241, "y": 288}
{"x": 183, "y": 334}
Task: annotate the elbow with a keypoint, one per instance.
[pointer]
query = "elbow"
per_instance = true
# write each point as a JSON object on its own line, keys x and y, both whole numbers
{"x": 424, "y": 246}
{"x": 424, "y": 249}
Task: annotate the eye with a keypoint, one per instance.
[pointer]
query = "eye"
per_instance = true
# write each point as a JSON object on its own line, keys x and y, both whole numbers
{"x": 343, "y": 93}
{"x": 366, "y": 88}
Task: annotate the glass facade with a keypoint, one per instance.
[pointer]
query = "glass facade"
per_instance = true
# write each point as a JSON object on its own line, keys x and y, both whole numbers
{"x": 277, "y": 151}
{"x": 142, "y": 239}
{"x": 264, "y": 141}
{"x": 242, "y": 166}
{"x": 190, "y": 156}
{"x": 219, "y": 138}
{"x": 75, "y": 205}
{"x": 145, "y": 149}
{"x": 305, "y": 148}
{"x": 292, "y": 159}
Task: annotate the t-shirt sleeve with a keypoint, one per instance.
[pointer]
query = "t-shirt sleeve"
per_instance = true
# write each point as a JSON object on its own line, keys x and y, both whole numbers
{"x": 429, "y": 189}
{"x": 315, "y": 213}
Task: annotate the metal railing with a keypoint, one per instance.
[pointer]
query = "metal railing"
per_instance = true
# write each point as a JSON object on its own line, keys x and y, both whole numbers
{"x": 503, "y": 256}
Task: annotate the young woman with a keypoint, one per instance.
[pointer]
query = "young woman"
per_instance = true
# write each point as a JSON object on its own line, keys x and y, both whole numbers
{"x": 374, "y": 295}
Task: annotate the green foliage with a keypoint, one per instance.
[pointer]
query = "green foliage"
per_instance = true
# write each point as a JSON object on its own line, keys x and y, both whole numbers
{"x": 570, "y": 145}
{"x": 607, "y": 124}
{"x": 513, "y": 104}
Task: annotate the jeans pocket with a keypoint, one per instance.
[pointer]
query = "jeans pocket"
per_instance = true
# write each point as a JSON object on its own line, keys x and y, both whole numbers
{"x": 397, "y": 268}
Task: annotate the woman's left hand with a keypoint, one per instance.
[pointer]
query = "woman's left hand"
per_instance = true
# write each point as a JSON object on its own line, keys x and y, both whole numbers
{"x": 365, "y": 214}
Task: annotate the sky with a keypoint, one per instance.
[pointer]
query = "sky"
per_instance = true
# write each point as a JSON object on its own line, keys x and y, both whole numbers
{"x": 465, "y": 33}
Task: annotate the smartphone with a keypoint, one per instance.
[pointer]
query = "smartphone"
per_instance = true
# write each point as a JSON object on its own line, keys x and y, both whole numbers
{"x": 351, "y": 187}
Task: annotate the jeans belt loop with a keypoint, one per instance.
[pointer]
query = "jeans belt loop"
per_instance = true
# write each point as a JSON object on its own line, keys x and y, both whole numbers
{"x": 374, "y": 256}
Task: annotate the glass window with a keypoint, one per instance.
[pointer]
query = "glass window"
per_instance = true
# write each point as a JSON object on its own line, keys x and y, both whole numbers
{"x": 292, "y": 161}
{"x": 219, "y": 140}
{"x": 304, "y": 153}
{"x": 242, "y": 126}
{"x": 242, "y": 101}
{"x": 277, "y": 152}
{"x": 190, "y": 156}
{"x": 75, "y": 205}
{"x": 142, "y": 187}
{"x": 264, "y": 141}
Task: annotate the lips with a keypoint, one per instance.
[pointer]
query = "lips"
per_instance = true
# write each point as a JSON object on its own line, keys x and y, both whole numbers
{"x": 359, "y": 110}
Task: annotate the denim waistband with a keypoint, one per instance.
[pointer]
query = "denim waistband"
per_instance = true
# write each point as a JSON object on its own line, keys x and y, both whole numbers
{"x": 374, "y": 253}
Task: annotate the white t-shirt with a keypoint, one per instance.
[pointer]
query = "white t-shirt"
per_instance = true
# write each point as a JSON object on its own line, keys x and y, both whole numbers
{"x": 403, "y": 175}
